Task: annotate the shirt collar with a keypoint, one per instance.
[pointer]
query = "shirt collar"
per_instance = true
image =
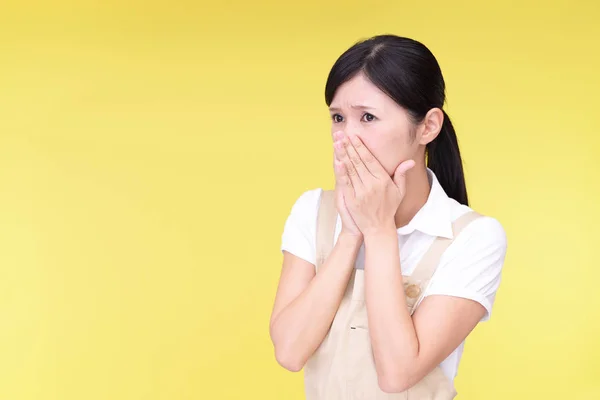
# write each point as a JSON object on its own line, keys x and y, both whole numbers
{"x": 434, "y": 217}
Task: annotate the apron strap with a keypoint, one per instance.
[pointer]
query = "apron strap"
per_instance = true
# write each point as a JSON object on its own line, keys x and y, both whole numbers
{"x": 416, "y": 283}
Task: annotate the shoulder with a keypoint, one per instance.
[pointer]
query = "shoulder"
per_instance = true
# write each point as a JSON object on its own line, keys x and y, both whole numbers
{"x": 476, "y": 255}
{"x": 307, "y": 203}
{"x": 299, "y": 234}
{"x": 484, "y": 231}
{"x": 472, "y": 265}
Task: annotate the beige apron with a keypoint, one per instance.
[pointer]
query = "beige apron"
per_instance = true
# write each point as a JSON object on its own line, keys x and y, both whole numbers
{"x": 343, "y": 368}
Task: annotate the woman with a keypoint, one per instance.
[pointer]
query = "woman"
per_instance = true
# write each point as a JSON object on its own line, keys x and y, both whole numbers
{"x": 406, "y": 269}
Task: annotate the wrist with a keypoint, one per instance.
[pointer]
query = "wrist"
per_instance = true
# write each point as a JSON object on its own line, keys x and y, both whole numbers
{"x": 350, "y": 238}
{"x": 379, "y": 232}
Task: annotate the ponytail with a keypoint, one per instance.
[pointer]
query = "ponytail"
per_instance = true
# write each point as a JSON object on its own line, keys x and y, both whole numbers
{"x": 443, "y": 158}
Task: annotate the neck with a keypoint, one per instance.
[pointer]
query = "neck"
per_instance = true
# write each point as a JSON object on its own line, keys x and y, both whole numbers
{"x": 417, "y": 192}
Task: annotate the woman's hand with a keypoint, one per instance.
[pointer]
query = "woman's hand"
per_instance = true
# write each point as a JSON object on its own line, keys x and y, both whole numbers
{"x": 348, "y": 225}
{"x": 370, "y": 195}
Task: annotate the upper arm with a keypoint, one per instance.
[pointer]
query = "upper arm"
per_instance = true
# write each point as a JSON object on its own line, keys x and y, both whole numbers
{"x": 298, "y": 245}
{"x": 461, "y": 292}
{"x": 441, "y": 324}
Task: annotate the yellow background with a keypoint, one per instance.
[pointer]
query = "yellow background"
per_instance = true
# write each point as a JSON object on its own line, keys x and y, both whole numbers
{"x": 151, "y": 151}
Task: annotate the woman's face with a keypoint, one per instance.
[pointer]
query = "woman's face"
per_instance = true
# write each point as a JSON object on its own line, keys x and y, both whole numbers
{"x": 360, "y": 109}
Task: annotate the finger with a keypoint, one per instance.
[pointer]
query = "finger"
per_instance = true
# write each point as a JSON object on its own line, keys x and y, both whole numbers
{"x": 341, "y": 176}
{"x": 400, "y": 173}
{"x": 369, "y": 161}
{"x": 342, "y": 155}
{"x": 356, "y": 160}
{"x": 338, "y": 168}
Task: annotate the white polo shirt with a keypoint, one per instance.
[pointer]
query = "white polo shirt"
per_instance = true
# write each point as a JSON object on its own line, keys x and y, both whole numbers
{"x": 470, "y": 268}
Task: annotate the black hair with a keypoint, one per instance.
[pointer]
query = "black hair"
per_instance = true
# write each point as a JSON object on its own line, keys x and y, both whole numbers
{"x": 408, "y": 72}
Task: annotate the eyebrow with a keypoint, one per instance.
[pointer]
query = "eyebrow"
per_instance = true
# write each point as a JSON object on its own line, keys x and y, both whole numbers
{"x": 357, "y": 106}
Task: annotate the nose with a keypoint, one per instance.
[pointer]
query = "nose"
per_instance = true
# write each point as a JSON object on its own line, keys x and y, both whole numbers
{"x": 348, "y": 132}
{"x": 352, "y": 128}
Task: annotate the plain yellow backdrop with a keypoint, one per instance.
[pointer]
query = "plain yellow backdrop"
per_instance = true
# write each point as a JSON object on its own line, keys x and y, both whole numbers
{"x": 151, "y": 151}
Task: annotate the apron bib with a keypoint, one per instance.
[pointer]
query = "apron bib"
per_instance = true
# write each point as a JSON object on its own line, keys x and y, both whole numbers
{"x": 343, "y": 367}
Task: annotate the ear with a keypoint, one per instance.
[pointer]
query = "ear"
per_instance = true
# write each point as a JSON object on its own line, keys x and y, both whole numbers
{"x": 431, "y": 125}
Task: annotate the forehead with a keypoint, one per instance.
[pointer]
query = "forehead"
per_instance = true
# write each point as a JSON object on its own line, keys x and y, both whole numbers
{"x": 360, "y": 90}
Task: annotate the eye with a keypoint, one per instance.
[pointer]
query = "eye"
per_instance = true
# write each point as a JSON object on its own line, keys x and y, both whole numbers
{"x": 367, "y": 117}
{"x": 337, "y": 118}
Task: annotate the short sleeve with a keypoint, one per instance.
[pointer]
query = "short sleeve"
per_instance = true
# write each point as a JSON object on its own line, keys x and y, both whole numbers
{"x": 471, "y": 267}
{"x": 300, "y": 229}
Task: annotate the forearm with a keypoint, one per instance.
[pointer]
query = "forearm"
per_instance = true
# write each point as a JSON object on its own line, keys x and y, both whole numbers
{"x": 394, "y": 340}
{"x": 302, "y": 325}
